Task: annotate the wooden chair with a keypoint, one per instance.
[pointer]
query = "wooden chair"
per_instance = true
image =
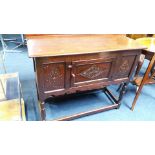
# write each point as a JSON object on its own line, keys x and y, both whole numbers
{"x": 142, "y": 57}
{"x": 149, "y": 76}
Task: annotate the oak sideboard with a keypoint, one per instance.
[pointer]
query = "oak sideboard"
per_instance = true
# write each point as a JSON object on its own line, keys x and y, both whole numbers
{"x": 67, "y": 64}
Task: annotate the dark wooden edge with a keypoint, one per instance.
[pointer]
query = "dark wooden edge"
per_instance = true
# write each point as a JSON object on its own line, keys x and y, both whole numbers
{"x": 82, "y": 114}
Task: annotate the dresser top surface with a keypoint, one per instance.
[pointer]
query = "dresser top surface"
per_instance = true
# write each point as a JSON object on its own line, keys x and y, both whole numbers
{"x": 58, "y": 45}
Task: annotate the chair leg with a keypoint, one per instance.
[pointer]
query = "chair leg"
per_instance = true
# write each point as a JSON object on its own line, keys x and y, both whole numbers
{"x": 153, "y": 69}
{"x": 137, "y": 88}
{"x": 136, "y": 97}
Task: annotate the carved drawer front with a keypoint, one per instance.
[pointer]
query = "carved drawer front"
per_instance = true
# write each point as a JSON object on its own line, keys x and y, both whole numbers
{"x": 87, "y": 72}
{"x": 54, "y": 76}
{"x": 125, "y": 66}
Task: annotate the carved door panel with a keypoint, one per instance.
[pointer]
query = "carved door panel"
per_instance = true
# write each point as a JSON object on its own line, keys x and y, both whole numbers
{"x": 124, "y": 66}
{"x": 54, "y": 76}
{"x": 91, "y": 71}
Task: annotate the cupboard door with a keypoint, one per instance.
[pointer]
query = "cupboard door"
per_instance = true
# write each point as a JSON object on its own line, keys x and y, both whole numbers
{"x": 91, "y": 71}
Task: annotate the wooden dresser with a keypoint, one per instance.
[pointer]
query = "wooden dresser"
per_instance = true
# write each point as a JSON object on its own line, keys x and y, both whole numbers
{"x": 66, "y": 64}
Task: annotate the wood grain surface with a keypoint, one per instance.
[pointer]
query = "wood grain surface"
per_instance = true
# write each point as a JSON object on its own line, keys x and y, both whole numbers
{"x": 56, "y": 45}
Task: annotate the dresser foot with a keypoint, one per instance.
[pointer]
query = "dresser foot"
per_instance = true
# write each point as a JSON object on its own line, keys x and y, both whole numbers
{"x": 42, "y": 111}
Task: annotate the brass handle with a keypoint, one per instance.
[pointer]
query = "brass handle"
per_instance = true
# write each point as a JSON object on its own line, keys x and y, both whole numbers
{"x": 69, "y": 66}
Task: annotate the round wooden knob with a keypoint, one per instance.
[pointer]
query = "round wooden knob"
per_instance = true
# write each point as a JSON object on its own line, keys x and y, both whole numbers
{"x": 69, "y": 66}
{"x": 73, "y": 75}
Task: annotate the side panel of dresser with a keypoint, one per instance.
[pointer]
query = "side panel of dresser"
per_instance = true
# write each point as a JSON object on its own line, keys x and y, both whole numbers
{"x": 50, "y": 76}
{"x": 70, "y": 74}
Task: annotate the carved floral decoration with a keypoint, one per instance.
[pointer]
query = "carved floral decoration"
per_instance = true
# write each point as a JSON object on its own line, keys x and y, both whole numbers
{"x": 54, "y": 78}
{"x": 124, "y": 67}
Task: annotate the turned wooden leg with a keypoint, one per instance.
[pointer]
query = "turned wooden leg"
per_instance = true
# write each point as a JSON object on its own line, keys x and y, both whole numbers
{"x": 42, "y": 111}
{"x": 123, "y": 90}
{"x": 120, "y": 86}
{"x": 140, "y": 63}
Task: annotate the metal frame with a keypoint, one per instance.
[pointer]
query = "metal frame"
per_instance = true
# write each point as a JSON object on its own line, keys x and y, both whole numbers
{"x": 20, "y": 97}
{"x": 2, "y": 90}
{"x": 2, "y": 57}
{"x": 20, "y": 94}
{"x": 5, "y": 47}
{"x": 2, "y": 53}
